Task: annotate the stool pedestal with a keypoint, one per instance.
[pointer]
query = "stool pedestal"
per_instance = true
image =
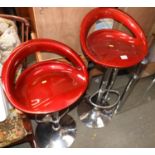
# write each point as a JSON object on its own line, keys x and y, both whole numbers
{"x": 92, "y": 117}
{"x": 56, "y": 135}
{"x": 96, "y": 110}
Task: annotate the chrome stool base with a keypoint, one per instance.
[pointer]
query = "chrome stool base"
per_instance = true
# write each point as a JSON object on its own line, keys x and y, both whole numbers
{"x": 91, "y": 116}
{"x": 47, "y": 137}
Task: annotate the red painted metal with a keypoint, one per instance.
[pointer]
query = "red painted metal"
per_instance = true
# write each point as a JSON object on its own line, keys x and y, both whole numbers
{"x": 47, "y": 86}
{"x": 109, "y": 47}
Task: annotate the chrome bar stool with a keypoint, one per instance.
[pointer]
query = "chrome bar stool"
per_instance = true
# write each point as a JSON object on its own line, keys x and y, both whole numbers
{"x": 114, "y": 50}
{"x": 45, "y": 89}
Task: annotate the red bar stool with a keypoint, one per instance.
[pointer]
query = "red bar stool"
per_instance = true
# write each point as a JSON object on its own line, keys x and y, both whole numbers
{"x": 46, "y": 88}
{"x": 113, "y": 50}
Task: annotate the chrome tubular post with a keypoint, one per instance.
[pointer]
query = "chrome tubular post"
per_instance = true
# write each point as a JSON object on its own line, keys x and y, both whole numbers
{"x": 111, "y": 82}
{"x": 55, "y": 120}
{"x": 150, "y": 86}
{"x": 126, "y": 93}
{"x": 106, "y": 84}
{"x": 103, "y": 86}
{"x": 58, "y": 132}
{"x": 129, "y": 87}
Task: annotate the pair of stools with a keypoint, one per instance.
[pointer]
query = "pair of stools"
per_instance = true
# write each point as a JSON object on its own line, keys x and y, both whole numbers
{"x": 46, "y": 89}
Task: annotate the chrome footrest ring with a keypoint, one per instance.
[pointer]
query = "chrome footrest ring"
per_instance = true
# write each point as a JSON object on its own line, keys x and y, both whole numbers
{"x": 105, "y": 106}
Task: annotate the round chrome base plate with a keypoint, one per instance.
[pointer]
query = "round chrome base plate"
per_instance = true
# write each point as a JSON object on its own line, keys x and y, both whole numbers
{"x": 46, "y": 137}
{"x": 91, "y": 117}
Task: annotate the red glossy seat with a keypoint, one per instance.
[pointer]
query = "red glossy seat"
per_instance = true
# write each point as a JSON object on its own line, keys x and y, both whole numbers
{"x": 109, "y": 47}
{"x": 47, "y": 86}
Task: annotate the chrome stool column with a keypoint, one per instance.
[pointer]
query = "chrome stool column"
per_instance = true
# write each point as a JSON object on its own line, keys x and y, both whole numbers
{"x": 55, "y": 130}
{"x": 131, "y": 84}
{"x": 97, "y": 110}
{"x": 112, "y": 49}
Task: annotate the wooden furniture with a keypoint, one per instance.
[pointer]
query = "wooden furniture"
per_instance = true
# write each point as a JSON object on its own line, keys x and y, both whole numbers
{"x": 144, "y": 17}
{"x": 63, "y": 24}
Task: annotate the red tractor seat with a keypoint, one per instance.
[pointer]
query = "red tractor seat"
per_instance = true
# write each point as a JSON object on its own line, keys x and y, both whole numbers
{"x": 47, "y": 86}
{"x": 110, "y": 47}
